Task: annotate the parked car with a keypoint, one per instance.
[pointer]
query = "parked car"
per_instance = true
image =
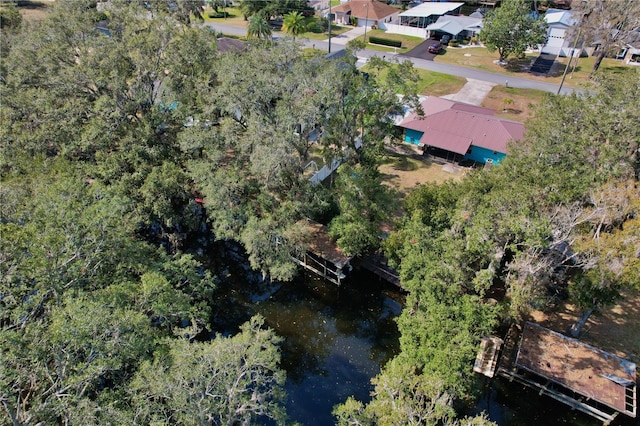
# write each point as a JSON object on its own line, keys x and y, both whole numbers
{"x": 435, "y": 48}
{"x": 445, "y": 39}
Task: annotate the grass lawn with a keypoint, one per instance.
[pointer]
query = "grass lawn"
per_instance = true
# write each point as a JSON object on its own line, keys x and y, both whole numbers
{"x": 32, "y": 11}
{"x": 408, "y": 42}
{"x": 317, "y": 34}
{"x": 480, "y": 58}
{"x": 438, "y": 84}
{"x": 431, "y": 83}
{"x": 234, "y": 17}
{"x": 524, "y": 101}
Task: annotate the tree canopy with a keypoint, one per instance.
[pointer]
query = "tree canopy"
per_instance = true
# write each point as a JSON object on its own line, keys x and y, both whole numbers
{"x": 119, "y": 148}
{"x": 511, "y": 29}
{"x": 556, "y": 220}
{"x": 610, "y": 25}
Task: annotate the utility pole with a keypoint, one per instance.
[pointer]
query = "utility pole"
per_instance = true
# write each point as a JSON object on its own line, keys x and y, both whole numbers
{"x": 573, "y": 49}
{"x": 366, "y": 23}
{"x": 329, "y": 27}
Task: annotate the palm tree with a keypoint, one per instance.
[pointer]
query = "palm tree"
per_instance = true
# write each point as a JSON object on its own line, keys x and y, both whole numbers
{"x": 259, "y": 28}
{"x": 294, "y": 24}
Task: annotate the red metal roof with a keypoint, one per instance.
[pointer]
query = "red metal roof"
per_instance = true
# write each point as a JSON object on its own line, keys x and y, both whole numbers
{"x": 446, "y": 124}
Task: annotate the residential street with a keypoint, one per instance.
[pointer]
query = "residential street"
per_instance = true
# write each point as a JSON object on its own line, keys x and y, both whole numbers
{"x": 363, "y": 55}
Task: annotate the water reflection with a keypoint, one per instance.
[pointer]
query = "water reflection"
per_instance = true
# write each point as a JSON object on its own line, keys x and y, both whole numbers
{"x": 511, "y": 404}
{"x": 335, "y": 339}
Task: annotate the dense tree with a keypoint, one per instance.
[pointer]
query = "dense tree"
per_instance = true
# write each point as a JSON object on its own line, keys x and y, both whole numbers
{"x": 613, "y": 25}
{"x": 82, "y": 300}
{"x": 229, "y": 380}
{"x": 183, "y": 10}
{"x": 271, "y": 103}
{"x": 273, "y": 8}
{"x": 364, "y": 207}
{"x": 511, "y": 29}
{"x": 116, "y": 102}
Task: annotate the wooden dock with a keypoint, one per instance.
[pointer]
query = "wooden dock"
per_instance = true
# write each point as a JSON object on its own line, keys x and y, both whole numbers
{"x": 323, "y": 257}
{"x": 585, "y": 378}
{"x": 378, "y": 265}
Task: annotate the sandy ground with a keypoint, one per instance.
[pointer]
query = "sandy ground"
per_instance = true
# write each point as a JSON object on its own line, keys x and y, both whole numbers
{"x": 616, "y": 329}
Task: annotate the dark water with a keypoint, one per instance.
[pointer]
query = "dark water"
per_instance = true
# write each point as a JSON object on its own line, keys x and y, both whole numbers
{"x": 337, "y": 339}
{"x": 510, "y": 404}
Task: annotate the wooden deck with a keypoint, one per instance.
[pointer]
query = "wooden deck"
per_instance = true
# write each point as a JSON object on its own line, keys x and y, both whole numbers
{"x": 378, "y": 265}
{"x": 585, "y": 378}
{"x": 323, "y": 256}
{"x": 587, "y": 370}
{"x": 487, "y": 359}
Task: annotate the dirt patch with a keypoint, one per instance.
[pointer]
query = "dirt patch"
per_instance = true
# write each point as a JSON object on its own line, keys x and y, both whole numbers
{"x": 513, "y": 104}
{"x": 404, "y": 169}
{"x": 32, "y": 11}
{"x": 616, "y": 329}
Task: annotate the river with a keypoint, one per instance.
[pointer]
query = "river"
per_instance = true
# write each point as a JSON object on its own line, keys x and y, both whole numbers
{"x": 337, "y": 339}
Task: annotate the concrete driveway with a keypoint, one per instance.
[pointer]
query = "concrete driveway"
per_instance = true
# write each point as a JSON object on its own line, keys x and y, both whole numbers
{"x": 473, "y": 92}
{"x": 346, "y": 37}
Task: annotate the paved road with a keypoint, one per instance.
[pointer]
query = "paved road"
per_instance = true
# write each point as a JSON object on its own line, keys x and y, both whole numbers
{"x": 487, "y": 76}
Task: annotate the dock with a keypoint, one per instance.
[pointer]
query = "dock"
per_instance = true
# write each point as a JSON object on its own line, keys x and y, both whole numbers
{"x": 323, "y": 257}
{"x": 579, "y": 375}
{"x": 377, "y": 264}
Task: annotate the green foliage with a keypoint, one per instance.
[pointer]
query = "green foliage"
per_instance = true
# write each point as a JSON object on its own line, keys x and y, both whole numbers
{"x": 225, "y": 381}
{"x": 10, "y": 17}
{"x": 273, "y": 8}
{"x": 511, "y": 29}
{"x": 404, "y": 396}
{"x": 294, "y": 24}
{"x": 385, "y": 41}
{"x": 364, "y": 207}
{"x": 259, "y": 28}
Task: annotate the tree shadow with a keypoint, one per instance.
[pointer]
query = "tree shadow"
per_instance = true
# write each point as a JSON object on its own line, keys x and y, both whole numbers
{"x": 31, "y": 4}
{"x": 519, "y": 65}
{"x": 514, "y": 111}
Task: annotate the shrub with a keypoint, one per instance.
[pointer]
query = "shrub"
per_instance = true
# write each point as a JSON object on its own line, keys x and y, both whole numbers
{"x": 221, "y": 14}
{"x": 385, "y": 41}
{"x": 454, "y": 43}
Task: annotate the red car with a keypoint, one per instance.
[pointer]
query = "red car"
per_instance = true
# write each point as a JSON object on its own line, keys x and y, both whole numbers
{"x": 435, "y": 48}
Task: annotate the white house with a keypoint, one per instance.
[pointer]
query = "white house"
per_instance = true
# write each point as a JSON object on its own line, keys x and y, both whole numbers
{"x": 414, "y": 21}
{"x": 559, "y": 21}
{"x": 318, "y": 5}
{"x": 456, "y": 26}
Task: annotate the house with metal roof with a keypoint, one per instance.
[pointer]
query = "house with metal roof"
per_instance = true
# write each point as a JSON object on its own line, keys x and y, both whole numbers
{"x": 415, "y": 20}
{"x": 559, "y": 22}
{"x": 458, "y": 27}
{"x": 366, "y": 13}
{"x": 457, "y": 131}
